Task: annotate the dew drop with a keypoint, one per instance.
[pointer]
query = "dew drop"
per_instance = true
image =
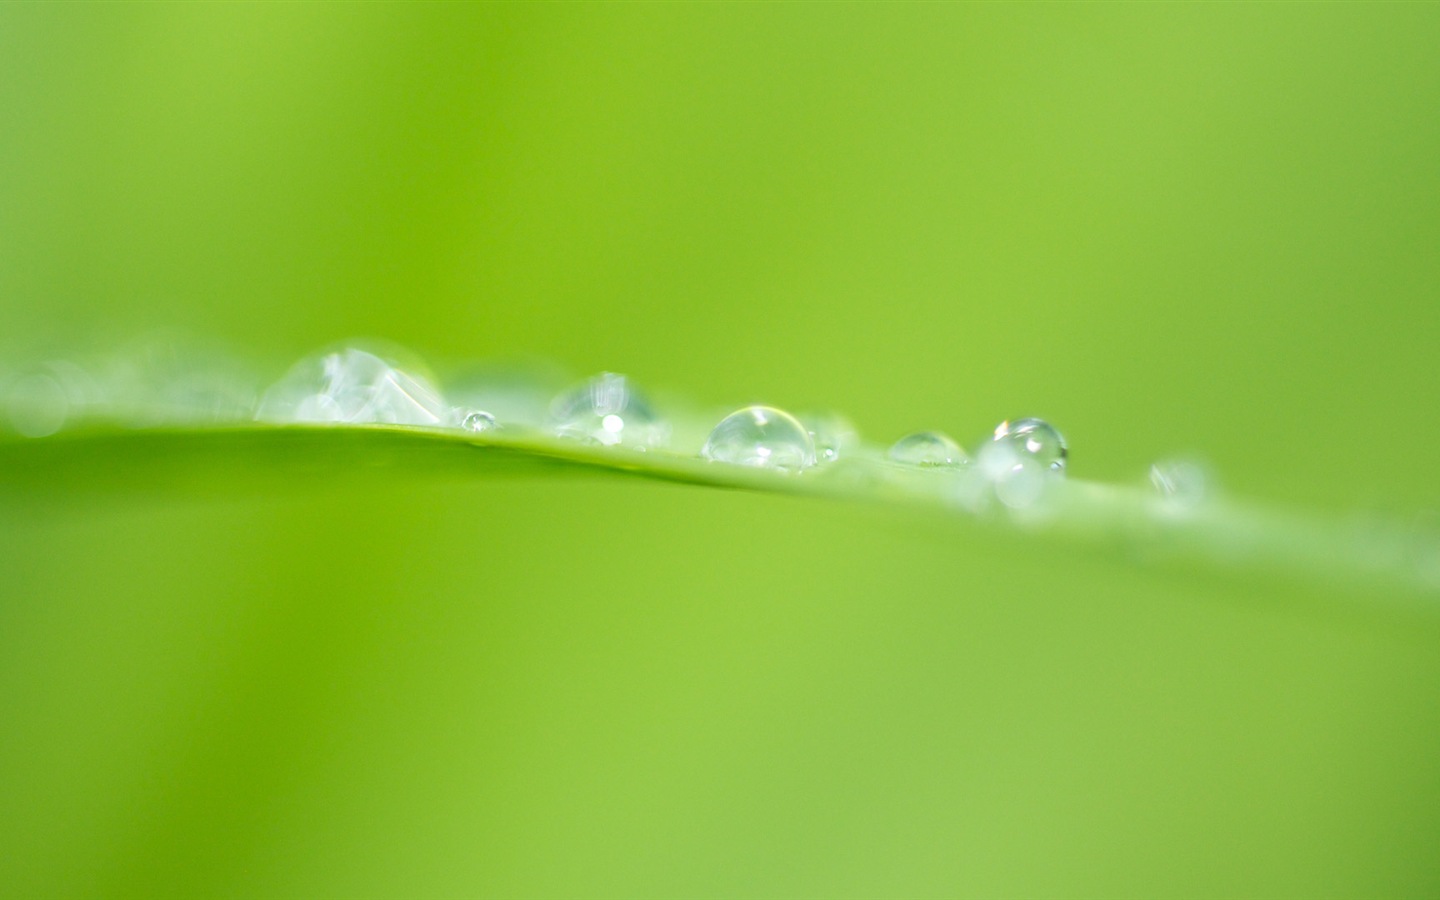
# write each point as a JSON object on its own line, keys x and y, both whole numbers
{"x": 517, "y": 392}
{"x": 42, "y": 399}
{"x": 477, "y": 421}
{"x": 1023, "y": 485}
{"x": 37, "y": 405}
{"x": 832, "y": 434}
{"x": 607, "y": 409}
{"x": 1034, "y": 439}
{"x": 1180, "y": 483}
{"x": 761, "y": 436}
{"x": 355, "y": 387}
{"x": 928, "y": 448}
{"x": 1016, "y": 478}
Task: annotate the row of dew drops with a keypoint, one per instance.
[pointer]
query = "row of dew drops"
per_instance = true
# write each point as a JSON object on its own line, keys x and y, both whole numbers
{"x": 360, "y": 384}
{"x": 180, "y": 383}
{"x": 355, "y": 386}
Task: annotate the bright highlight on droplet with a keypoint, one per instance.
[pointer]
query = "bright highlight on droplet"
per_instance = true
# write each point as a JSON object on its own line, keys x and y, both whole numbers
{"x": 607, "y": 409}
{"x": 928, "y": 448}
{"x": 763, "y": 437}
{"x": 1036, "y": 439}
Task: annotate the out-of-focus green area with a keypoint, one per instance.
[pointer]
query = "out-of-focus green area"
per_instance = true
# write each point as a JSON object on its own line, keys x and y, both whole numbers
{"x": 1204, "y": 229}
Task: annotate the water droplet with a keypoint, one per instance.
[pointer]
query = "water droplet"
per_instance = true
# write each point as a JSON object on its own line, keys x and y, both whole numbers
{"x": 516, "y": 392}
{"x": 1014, "y": 476}
{"x": 37, "y": 405}
{"x": 832, "y": 434}
{"x": 41, "y": 399}
{"x": 608, "y": 409}
{"x": 1035, "y": 439}
{"x": 1180, "y": 483}
{"x": 928, "y": 448}
{"x": 1023, "y": 485}
{"x": 477, "y": 421}
{"x": 761, "y": 436}
{"x": 356, "y": 387}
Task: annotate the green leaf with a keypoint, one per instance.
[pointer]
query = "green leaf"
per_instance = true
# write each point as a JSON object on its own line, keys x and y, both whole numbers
{"x": 1385, "y": 562}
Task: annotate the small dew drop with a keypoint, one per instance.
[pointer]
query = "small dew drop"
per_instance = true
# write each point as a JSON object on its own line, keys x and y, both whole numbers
{"x": 354, "y": 387}
{"x": 477, "y": 421}
{"x": 832, "y": 434}
{"x": 609, "y": 410}
{"x": 37, "y": 405}
{"x": 517, "y": 392}
{"x": 1180, "y": 483}
{"x": 1036, "y": 439}
{"x": 928, "y": 448}
{"x": 44, "y": 398}
{"x": 761, "y": 436}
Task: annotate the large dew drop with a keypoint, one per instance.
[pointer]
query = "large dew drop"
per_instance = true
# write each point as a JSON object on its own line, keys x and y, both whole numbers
{"x": 354, "y": 387}
{"x": 608, "y": 410}
{"x": 761, "y": 436}
{"x": 928, "y": 448}
{"x": 1034, "y": 440}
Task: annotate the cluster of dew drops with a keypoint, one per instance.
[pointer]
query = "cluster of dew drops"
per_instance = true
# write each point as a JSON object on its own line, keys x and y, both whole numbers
{"x": 170, "y": 383}
{"x": 358, "y": 387}
{"x": 359, "y": 383}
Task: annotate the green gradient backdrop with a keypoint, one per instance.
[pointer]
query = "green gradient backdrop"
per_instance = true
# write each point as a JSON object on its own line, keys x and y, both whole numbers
{"x": 1170, "y": 228}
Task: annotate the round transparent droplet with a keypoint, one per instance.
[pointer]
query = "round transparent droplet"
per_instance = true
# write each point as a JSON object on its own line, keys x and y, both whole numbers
{"x": 1035, "y": 439}
{"x": 1023, "y": 485}
{"x": 37, "y": 404}
{"x": 763, "y": 437}
{"x": 1011, "y": 476}
{"x": 356, "y": 387}
{"x": 928, "y": 448}
{"x": 41, "y": 399}
{"x": 608, "y": 410}
{"x": 1182, "y": 483}
{"x": 832, "y": 434}
{"x": 476, "y": 421}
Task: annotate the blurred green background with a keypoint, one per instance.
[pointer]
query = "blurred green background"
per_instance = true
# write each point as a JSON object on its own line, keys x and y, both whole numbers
{"x": 1169, "y": 229}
